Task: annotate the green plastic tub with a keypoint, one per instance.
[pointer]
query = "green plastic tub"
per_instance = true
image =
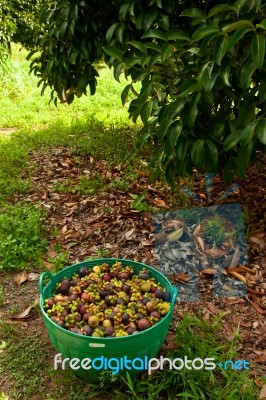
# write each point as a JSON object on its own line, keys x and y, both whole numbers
{"x": 144, "y": 345}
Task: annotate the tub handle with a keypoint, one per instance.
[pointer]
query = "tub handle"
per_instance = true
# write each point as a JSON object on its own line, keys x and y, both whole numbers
{"x": 44, "y": 275}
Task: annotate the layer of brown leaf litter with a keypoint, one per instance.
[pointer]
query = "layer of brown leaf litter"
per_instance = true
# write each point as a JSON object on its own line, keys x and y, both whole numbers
{"x": 105, "y": 224}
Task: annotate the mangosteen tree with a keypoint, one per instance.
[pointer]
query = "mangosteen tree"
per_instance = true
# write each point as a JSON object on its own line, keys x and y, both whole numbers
{"x": 201, "y": 66}
{"x": 19, "y": 22}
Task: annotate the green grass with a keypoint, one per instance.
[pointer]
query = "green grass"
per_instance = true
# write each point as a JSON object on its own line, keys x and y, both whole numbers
{"x": 59, "y": 262}
{"x": 22, "y": 362}
{"x": 22, "y": 236}
{"x": 85, "y": 185}
{"x": 22, "y": 106}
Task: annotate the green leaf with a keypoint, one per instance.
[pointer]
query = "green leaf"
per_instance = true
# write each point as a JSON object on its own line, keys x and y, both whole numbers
{"x": 213, "y": 151}
{"x": 245, "y": 113}
{"x": 218, "y": 130}
{"x": 177, "y": 34}
{"x": 71, "y": 28}
{"x": 203, "y": 32}
{"x": 124, "y": 10}
{"x": 246, "y": 74}
{"x": 30, "y": 54}
{"x": 205, "y": 73}
{"x": 63, "y": 27}
{"x": 239, "y": 4}
{"x": 243, "y": 157}
{"x": 181, "y": 147}
{"x": 247, "y": 133}
{"x": 237, "y": 25}
{"x": 197, "y": 151}
{"x": 124, "y": 94}
{"x": 175, "y": 107}
{"x": 262, "y": 24}
{"x": 173, "y": 132}
{"x": 193, "y": 50}
{"x": 159, "y": 3}
{"x": 167, "y": 51}
{"x": 258, "y": 50}
{"x": 164, "y": 23}
{"x": 220, "y": 49}
{"x": 232, "y": 140}
{"x": 218, "y": 9}
{"x": 155, "y": 33}
{"x": 191, "y": 110}
{"x": 117, "y": 70}
{"x": 210, "y": 82}
{"x": 131, "y": 61}
{"x": 262, "y": 90}
{"x": 193, "y": 13}
{"x": 113, "y": 52}
{"x": 237, "y": 35}
{"x": 187, "y": 87}
{"x": 225, "y": 74}
{"x": 145, "y": 20}
{"x": 261, "y": 131}
{"x": 146, "y": 111}
{"x": 142, "y": 138}
{"x": 162, "y": 129}
{"x": 205, "y": 43}
{"x": 144, "y": 60}
{"x": 157, "y": 154}
{"x": 138, "y": 45}
{"x": 139, "y": 21}
{"x": 153, "y": 46}
{"x": 168, "y": 6}
{"x": 119, "y": 32}
{"x": 144, "y": 93}
{"x": 169, "y": 173}
{"x": 155, "y": 59}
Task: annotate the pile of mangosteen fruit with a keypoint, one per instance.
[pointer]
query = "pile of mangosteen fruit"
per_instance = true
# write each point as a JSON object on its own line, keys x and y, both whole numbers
{"x": 108, "y": 301}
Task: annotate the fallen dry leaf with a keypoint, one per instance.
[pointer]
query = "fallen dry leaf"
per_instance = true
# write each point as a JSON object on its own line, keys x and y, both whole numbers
{"x": 229, "y": 329}
{"x": 206, "y": 317}
{"x": 159, "y": 202}
{"x": 197, "y": 230}
{"x": 47, "y": 265}
{"x": 240, "y": 321}
{"x": 131, "y": 234}
{"x": 20, "y": 278}
{"x": 215, "y": 253}
{"x": 160, "y": 237}
{"x": 175, "y": 235}
{"x": 171, "y": 346}
{"x": 256, "y": 306}
{"x": 258, "y": 234}
{"x": 256, "y": 292}
{"x": 263, "y": 393}
{"x": 233, "y": 301}
{"x": 200, "y": 242}
{"x": 25, "y": 314}
{"x": 240, "y": 268}
{"x": 181, "y": 278}
{"x": 255, "y": 240}
{"x": 214, "y": 310}
{"x": 33, "y": 276}
{"x": 235, "y": 258}
{"x": 209, "y": 271}
{"x": 238, "y": 276}
{"x": 261, "y": 358}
